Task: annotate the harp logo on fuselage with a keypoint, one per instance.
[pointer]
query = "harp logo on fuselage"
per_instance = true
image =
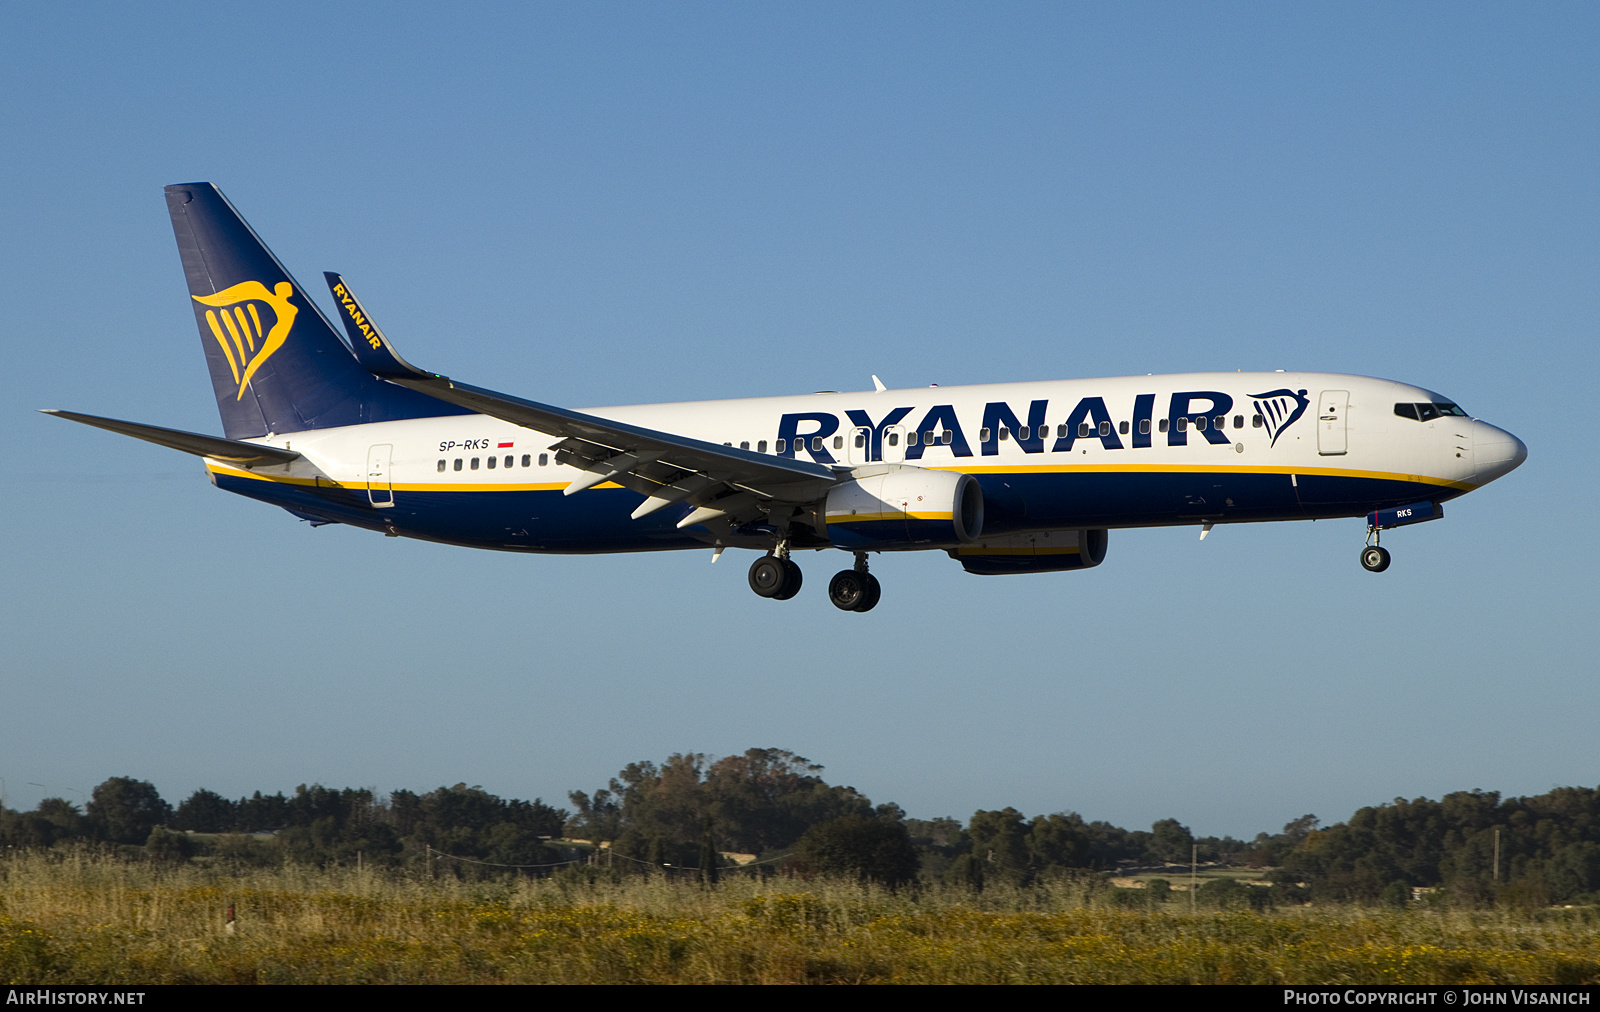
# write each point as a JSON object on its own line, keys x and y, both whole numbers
{"x": 1280, "y": 409}
{"x": 236, "y": 321}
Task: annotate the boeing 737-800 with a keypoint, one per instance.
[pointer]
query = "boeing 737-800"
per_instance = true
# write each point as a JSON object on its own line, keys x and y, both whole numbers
{"x": 1005, "y": 478}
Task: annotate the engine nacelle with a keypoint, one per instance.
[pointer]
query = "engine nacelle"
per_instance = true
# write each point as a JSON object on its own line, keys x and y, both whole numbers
{"x": 900, "y": 506}
{"x": 1043, "y": 552}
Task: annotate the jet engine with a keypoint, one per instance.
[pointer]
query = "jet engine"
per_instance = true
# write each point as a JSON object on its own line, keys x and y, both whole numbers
{"x": 894, "y": 506}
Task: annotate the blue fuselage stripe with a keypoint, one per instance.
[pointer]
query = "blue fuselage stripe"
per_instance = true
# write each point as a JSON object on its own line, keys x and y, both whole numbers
{"x": 597, "y": 520}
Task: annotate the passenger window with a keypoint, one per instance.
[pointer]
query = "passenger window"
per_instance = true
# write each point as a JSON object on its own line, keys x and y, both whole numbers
{"x": 527, "y": 459}
{"x": 544, "y": 458}
{"x": 1061, "y": 431}
{"x": 861, "y": 440}
{"x": 816, "y": 442}
{"x": 1123, "y": 428}
{"x": 441, "y": 463}
{"x": 1024, "y": 432}
{"x": 911, "y": 439}
{"x": 1220, "y": 422}
{"x": 838, "y": 442}
{"x": 781, "y": 444}
{"x": 1256, "y": 421}
{"x": 509, "y": 460}
{"x": 492, "y": 462}
{"x": 947, "y": 437}
{"x": 474, "y": 463}
{"x": 745, "y": 445}
{"x": 1199, "y": 423}
{"x": 1005, "y": 433}
{"x": 761, "y": 446}
{"x": 458, "y": 463}
{"x": 1144, "y": 426}
{"x": 983, "y": 435}
{"x": 1183, "y": 424}
{"x": 1238, "y": 421}
{"x": 894, "y": 439}
{"x": 1163, "y": 425}
{"x": 1105, "y": 428}
{"x": 1083, "y": 429}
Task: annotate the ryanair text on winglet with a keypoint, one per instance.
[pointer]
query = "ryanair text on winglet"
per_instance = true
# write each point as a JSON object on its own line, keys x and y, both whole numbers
{"x": 349, "y": 305}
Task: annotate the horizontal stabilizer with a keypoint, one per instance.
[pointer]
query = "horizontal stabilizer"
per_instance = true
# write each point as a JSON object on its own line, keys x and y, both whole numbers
{"x": 231, "y": 450}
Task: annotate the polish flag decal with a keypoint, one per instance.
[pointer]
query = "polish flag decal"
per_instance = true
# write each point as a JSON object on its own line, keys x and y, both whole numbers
{"x": 504, "y": 445}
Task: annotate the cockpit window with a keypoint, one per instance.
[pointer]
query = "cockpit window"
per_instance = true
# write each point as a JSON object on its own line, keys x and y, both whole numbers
{"x": 1428, "y": 412}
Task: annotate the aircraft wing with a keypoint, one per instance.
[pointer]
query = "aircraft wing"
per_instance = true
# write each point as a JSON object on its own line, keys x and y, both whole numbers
{"x": 231, "y": 450}
{"x": 717, "y": 480}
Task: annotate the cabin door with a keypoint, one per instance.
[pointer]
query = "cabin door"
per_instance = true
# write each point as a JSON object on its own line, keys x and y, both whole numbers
{"x": 1332, "y": 409}
{"x": 380, "y": 490}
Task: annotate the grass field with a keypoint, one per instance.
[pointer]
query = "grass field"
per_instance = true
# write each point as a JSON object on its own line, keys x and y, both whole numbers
{"x": 86, "y": 919}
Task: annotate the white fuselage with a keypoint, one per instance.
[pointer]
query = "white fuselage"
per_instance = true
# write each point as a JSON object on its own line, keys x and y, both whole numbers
{"x": 1120, "y": 452}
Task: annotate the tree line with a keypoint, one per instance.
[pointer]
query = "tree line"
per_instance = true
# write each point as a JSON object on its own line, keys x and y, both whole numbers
{"x": 769, "y": 811}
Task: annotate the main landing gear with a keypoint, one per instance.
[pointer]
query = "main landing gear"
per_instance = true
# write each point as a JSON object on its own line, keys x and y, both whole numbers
{"x": 776, "y": 576}
{"x": 855, "y": 589}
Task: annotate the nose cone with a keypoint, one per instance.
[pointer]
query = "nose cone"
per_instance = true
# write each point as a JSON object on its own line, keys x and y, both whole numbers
{"x": 1496, "y": 452}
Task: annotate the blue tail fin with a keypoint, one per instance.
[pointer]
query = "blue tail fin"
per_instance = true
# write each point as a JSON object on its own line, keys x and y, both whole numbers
{"x": 276, "y": 363}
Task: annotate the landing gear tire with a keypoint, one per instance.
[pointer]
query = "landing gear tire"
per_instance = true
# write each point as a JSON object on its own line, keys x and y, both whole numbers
{"x": 791, "y": 583}
{"x": 848, "y": 589}
{"x": 769, "y": 576}
{"x": 1374, "y": 559}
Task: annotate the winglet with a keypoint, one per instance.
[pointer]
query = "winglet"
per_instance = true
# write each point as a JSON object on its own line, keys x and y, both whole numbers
{"x": 372, "y": 349}
{"x": 878, "y": 384}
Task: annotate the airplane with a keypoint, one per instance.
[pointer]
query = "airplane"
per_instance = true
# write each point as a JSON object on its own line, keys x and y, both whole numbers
{"x": 1006, "y": 478}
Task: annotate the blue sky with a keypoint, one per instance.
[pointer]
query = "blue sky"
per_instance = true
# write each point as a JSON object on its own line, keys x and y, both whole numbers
{"x": 611, "y": 204}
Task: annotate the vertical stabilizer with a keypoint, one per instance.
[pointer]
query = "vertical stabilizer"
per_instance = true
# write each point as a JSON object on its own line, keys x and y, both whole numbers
{"x": 276, "y": 363}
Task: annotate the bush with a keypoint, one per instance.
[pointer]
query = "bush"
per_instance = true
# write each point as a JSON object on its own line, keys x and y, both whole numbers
{"x": 866, "y": 848}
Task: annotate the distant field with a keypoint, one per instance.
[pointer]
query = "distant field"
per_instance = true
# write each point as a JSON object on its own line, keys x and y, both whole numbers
{"x": 87, "y": 919}
{"x": 1178, "y": 876}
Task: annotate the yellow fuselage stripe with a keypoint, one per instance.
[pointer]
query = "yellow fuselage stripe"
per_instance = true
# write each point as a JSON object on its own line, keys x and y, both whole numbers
{"x": 1335, "y": 472}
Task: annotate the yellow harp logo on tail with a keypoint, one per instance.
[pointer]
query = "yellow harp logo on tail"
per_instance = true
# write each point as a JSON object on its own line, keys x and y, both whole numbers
{"x": 237, "y": 325}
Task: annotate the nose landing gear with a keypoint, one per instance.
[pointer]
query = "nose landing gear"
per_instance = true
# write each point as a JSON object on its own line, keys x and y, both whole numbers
{"x": 1374, "y": 559}
{"x": 855, "y": 589}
